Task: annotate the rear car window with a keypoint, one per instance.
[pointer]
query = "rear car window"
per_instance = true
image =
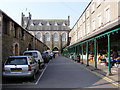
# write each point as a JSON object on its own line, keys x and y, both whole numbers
{"x": 17, "y": 61}
{"x": 34, "y": 54}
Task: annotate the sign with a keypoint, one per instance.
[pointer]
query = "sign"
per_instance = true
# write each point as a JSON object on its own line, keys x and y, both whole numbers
{"x": 0, "y": 18}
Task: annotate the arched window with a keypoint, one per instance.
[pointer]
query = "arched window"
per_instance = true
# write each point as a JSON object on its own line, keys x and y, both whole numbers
{"x": 47, "y": 37}
{"x": 38, "y": 36}
{"x": 64, "y": 37}
{"x": 32, "y": 33}
{"x": 29, "y": 47}
{"x": 16, "y": 49}
{"x": 55, "y": 37}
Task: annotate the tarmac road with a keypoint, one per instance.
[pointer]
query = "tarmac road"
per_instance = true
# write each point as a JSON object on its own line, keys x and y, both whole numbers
{"x": 62, "y": 72}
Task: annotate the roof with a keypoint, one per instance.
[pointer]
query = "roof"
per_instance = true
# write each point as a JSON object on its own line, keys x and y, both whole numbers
{"x": 47, "y": 24}
{"x": 18, "y": 56}
{"x": 32, "y": 51}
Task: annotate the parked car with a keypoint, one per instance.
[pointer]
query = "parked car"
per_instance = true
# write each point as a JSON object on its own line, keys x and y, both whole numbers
{"x": 20, "y": 66}
{"x": 46, "y": 57}
{"x": 37, "y": 55}
{"x": 50, "y": 54}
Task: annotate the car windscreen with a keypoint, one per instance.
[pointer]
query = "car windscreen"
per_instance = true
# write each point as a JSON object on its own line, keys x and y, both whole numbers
{"x": 34, "y": 54}
{"x": 17, "y": 61}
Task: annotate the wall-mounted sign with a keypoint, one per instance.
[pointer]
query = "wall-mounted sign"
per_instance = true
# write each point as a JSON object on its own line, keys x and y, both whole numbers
{"x": 0, "y": 18}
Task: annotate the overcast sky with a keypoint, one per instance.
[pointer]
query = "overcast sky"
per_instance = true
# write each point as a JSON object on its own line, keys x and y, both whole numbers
{"x": 44, "y": 9}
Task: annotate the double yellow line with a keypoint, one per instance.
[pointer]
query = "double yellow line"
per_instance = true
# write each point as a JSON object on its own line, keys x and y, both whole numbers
{"x": 104, "y": 77}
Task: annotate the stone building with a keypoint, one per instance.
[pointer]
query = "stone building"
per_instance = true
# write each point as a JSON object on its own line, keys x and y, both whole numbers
{"x": 14, "y": 39}
{"x": 52, "y": 32}
{"x": 98, "y": 17}
{"x": 96, "y": 33}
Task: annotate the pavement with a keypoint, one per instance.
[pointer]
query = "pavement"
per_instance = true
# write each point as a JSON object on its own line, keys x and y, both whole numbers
{"x": 102, "y": 71}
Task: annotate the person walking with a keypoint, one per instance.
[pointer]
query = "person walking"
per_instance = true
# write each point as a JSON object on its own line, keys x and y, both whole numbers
{"x": 53, "y": 55}
{"x": 114, "y": 55}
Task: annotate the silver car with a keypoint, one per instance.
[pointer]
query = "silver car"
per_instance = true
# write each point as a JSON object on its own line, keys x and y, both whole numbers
{"x": 37, "y": 55}
{"x": 20, "y": 66}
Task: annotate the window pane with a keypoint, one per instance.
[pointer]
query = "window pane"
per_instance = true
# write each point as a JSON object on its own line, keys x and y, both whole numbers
{"x": 63, "y": 37}
{"x": 55, "y": 37}
{"x": 38, "y": 36}
{"x": 16, "y": 61}
{"x": 47, "y": 37}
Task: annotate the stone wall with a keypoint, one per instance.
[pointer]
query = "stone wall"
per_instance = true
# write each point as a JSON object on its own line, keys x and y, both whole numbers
{"x": 15, "y": 39}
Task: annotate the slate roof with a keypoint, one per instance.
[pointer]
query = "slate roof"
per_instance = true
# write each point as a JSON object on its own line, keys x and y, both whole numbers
{"x": 47, "y": 24}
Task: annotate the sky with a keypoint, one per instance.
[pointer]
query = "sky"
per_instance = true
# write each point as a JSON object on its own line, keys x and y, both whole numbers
{"x": 44, "y": 9}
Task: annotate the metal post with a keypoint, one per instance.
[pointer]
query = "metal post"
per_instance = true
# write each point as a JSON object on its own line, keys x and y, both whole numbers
{"x": 109, "y": 66}
{"x": 75, "y": 50}
{"x": 1, "y": 27}
{"x": 82, "y": 54}
{"x": 95, "y": 54}
{"x": 87, "y": 62}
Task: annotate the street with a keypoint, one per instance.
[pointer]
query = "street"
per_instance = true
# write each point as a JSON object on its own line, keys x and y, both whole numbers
{"x": 62, "y": 72}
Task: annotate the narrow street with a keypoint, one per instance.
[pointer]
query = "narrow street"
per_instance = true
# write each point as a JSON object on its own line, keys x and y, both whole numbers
{"x": 62, "y": 72}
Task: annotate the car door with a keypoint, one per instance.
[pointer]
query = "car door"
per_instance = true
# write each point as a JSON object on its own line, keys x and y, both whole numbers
{"x": 34, "y": 65}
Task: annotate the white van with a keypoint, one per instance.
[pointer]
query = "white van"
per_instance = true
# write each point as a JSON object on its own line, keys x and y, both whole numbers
{"x": 37, "y": 55}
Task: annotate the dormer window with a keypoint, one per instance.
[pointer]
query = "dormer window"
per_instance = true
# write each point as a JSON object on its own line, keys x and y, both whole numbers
{"x": 25, "y": 23}
{"x": 40, "y": 24}
{"x": 32, "y": 24}
{"x": 56, "y": 24}
{"x": 64, "y": 24}
{"x": 48, "y": 24}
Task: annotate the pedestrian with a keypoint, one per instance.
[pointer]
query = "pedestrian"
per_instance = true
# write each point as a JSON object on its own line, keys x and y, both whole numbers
{"x": 114, "y": 55}
{"x": 54, "y": 55}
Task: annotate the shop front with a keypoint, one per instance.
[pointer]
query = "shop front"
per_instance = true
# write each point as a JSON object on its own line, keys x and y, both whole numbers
{"x": 99, "y": 48}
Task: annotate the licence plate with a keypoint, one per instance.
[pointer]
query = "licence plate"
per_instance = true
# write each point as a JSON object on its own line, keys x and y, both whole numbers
{"x": 16, "y": 70}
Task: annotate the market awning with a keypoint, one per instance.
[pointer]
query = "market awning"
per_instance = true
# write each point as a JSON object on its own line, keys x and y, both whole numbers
{"x": 94, "y": 37}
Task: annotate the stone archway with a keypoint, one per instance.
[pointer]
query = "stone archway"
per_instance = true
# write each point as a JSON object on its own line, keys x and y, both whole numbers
{"x": 56, "y": 51}
{"x": 16, "y": 50}
{"x": 29, "y": 47}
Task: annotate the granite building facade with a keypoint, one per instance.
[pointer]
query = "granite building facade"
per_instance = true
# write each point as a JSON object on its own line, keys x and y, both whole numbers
{"x": 52, "y": 32}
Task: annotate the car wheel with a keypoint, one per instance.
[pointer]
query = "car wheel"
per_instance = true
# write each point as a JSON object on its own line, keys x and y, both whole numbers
{"x": 37, "y": 71}
{"x": 33, "y": 77}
